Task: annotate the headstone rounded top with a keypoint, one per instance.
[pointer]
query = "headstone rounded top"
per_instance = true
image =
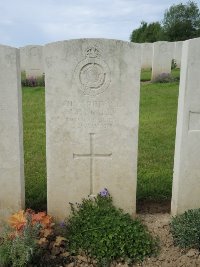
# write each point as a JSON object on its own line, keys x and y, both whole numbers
{"x": 92, "y": 40}
{"x": 7, "y": 47}
{"x": 30, "y": 46}
{"x": 161, "y": 42}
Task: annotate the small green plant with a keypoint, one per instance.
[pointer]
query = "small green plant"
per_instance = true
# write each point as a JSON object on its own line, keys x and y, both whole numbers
{"x": 185, "y": 229}
{"x": 103, "y": 232}
{"x": 18, "y": 249}
{"x": 173, "y": 65}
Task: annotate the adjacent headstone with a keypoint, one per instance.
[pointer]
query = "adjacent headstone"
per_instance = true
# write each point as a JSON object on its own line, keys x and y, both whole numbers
{"x": 11, "y": 142}
{"x": 186, "y": 179}
{"x": 92, "y": 108}
{"x": 178, "y": 53}
{"x": 146, "y": 55}
{"x": 162, "y": 58}
{"x": 32, "y": 60}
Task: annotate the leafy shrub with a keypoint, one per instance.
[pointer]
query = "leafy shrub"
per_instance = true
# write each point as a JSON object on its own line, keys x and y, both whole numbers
{"x": 105, "y": 233}
{"x": 19, "y": 242}
{"x": 164, "y": 78}
{"x": 173, "y": 65}
{"x": 32, "y": 81}
{"x": 186, "y": 230}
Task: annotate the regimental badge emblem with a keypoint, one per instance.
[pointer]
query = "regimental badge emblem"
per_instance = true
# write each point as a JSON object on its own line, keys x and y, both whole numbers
{"x": 92, "y": 73}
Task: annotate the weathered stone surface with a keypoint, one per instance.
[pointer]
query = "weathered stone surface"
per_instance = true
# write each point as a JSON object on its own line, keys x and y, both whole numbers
{"x": 92, "y": 106}
{"x": 146, "y": 55}
{"x": 32, "y": 60}
{"x": 186, "y": 180}
{"x": 178, "y": 53}
{"x": 11, "y": 143}
{"x": 162, "y": 58}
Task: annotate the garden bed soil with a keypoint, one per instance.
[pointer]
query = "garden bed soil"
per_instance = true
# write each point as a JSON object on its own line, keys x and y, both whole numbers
{"x": 169, "y": 255}
{"x": 153, "y": 206}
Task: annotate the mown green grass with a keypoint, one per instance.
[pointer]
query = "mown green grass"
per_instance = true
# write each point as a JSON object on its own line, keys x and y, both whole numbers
{"x": 158, "y": 107}
{"x": 34, "y": 147}
{"x": 176, "y": 74}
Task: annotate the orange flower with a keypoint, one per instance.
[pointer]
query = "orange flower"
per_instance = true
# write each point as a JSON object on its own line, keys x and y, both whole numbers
{"x": 17, "y": 220}
{"x": 42, "y": 218}
{"x": 46, "y": 221}
{"x": 37, "y": 217}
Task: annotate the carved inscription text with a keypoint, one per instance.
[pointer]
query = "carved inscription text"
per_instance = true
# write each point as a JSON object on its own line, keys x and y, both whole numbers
{"x": 90, "y": 114}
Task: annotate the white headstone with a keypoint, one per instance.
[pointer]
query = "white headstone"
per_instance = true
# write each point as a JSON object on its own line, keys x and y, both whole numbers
{"x": 92, "y": 108}
{"x": 11, "y": 142}
{"x": 162, "y": 58}
{"x": 186, "y": 180}
{"x": 146, "y": 55}
{"x": 178, "y": 53}
{"x": 32, "y": 60}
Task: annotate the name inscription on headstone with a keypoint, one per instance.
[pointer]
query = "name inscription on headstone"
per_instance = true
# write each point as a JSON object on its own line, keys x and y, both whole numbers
{"x": 90, "y": 114}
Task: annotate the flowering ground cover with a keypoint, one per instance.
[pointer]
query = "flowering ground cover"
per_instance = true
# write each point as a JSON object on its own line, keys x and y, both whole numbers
{"x": 96, "y": 231}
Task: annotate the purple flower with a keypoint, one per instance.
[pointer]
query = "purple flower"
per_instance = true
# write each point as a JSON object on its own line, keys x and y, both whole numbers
{"x": 62, "y": 224}
{"x": 104, "y": 193}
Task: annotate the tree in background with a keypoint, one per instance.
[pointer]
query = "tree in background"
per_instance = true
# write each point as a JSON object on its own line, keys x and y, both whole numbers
{"x": 151, "y": 32}
{"x": 182, "y": 22}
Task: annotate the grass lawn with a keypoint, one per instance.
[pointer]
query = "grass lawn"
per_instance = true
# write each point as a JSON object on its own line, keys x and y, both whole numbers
{"x": 158, "y": 107}
{"x": 34, "y": 147}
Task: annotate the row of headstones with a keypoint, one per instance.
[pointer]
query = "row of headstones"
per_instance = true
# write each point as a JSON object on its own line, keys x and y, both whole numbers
{"x": 92, "y": 118}
{"x": 157, "y": 56}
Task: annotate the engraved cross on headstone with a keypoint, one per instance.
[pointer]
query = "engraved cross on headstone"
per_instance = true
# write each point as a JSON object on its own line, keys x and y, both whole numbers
{"x": 92, "y": 156}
